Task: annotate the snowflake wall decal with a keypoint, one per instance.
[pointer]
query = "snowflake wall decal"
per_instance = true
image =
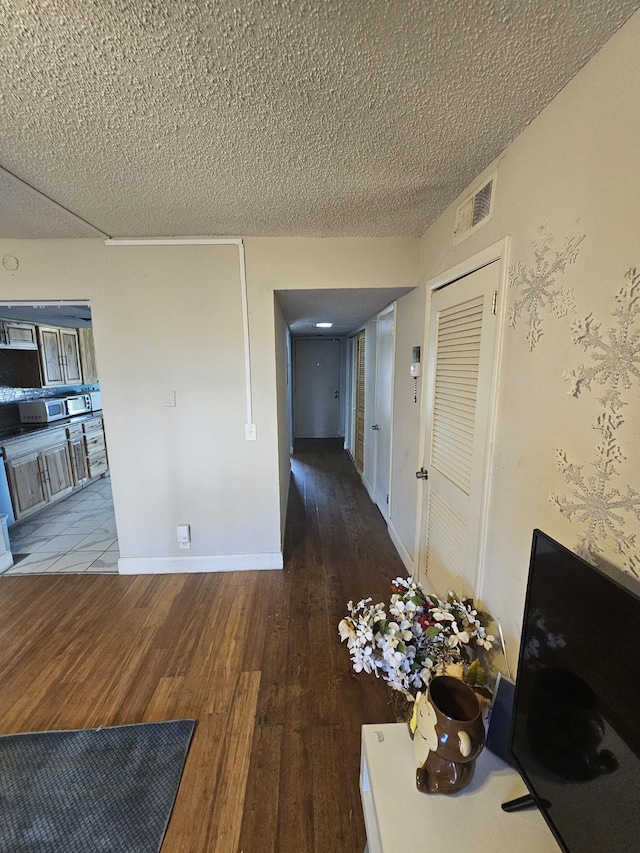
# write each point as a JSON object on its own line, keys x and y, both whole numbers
{"x": 617, "y": 355}
{"x": 601, "y": 508}
{"x": 538, "y": 287}
{"x": 594, "y": 502}
{"x": 597, "y": 504}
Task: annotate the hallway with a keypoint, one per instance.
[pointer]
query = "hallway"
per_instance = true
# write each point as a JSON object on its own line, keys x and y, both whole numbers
{"x": 254, "y": 657}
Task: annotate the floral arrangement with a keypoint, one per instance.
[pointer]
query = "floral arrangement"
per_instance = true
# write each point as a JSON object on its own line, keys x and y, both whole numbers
{"x": 420, "y": 636}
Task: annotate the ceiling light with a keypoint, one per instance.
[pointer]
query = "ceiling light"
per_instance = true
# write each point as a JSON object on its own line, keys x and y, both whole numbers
{"x": 324, "y": 325}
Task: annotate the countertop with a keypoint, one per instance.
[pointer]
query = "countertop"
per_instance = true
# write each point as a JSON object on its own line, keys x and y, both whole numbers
{"x": 7, "y": 436}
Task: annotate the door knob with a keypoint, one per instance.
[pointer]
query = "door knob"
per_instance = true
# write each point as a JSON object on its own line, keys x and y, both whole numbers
{"x": 422, "y": 474}
{"x": 375, "y": 426}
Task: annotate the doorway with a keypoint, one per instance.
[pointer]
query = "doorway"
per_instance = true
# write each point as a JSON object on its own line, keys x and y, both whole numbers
{"x": 316, "y": 397}
{"x": 70, "y": 529}
{"x": 383, "y": 409}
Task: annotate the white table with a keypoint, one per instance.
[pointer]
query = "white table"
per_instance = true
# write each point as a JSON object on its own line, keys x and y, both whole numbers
{"x": 399, "y": 818}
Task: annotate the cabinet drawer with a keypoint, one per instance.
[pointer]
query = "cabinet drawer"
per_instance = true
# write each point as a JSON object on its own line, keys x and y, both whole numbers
{"x": 93, "y": 426}
{"x": 97, "y": 464}
{"x": 95, "y": 442}
{"x": 75, "y": 433}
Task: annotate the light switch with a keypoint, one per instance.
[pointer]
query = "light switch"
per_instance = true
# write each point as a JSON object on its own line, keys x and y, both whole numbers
{"x": 170, "y": 399}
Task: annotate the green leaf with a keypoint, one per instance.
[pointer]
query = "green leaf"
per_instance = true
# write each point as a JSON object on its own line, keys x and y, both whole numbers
{"x": 476, "y": 674}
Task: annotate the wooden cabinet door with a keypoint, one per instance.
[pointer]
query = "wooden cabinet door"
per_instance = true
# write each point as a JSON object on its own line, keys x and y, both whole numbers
{"x": 78, "y": 452}
{"x": 27, "y": 478}
{"x": 57, "y": 466}
{"x": 70, "y": 356}
{"x": 87, "y": 356}
{"x": 16, "y": 335}
{"x": 51, "y": 357}
{"x": 96, "y": 447}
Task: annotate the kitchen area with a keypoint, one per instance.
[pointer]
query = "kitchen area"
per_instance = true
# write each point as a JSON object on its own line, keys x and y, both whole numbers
{"x": 56, "y": 506}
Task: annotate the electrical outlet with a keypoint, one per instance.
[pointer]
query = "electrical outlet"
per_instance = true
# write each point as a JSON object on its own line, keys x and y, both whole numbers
{"x": 183, "y": 532}
{"x": 250, "y": 432}
{"x": 170, "y": 399}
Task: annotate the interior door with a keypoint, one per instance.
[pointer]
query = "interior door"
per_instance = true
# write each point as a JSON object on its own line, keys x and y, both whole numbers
{"x": 316, "y": 403}
{"x": 461, "y": 364}
{"x": 359, "y": 384}
{"x": 383, "y": 409}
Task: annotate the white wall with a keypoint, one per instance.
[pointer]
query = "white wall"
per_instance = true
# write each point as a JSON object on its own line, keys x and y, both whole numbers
{"x": 410, "y": 320}
{"x": 171, "y": 318}
{"x": 369, "y": 460}
{"x": 283, "y": 390}
{"x": 575, "y": 171}
{"x": 287, "y": 263}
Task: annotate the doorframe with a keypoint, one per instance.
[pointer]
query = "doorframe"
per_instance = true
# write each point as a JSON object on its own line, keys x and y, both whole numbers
{"x": 60, "y": 303}
{"x": 497, "y": 252}
{"x": 381, "y": 315}
{"x": 342, "y": 340}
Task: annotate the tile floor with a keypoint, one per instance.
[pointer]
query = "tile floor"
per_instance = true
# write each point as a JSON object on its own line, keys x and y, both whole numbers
{"x": 74, "y": 536}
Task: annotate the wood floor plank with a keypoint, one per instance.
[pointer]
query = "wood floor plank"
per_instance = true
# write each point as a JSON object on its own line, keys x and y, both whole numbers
{"x": 226, "y": 822}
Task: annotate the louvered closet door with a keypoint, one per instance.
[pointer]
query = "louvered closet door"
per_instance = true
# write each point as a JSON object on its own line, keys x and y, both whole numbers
{"x": 460, "y": 381}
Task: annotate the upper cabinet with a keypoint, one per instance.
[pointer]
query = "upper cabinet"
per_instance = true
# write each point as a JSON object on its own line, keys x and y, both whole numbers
{"x": 15, "y": 335}
{"x": 59, "y": 356}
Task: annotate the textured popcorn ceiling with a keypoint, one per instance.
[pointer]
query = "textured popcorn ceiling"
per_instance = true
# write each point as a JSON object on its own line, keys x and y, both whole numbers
{"x": 270, "y": 117}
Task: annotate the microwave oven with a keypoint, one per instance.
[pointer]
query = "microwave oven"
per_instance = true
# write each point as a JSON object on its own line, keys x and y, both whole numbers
{"x": 43, "y": 411}
{"x": 78, "y": 404}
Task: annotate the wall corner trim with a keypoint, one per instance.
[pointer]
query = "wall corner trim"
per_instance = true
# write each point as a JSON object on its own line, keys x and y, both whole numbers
{"x": 401, "y": 548}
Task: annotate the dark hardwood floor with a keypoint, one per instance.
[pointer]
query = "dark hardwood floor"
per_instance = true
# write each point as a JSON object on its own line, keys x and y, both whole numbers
{"x": 255, "y": 657}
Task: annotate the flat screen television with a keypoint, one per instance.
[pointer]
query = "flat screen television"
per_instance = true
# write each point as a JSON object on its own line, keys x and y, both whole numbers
{"x": 575, "y": 729}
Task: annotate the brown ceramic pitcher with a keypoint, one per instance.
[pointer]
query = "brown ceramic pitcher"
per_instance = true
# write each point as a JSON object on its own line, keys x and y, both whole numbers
{"x": 449, "y": 736}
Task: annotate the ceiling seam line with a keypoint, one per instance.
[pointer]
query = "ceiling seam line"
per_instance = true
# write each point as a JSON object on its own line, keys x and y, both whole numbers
{"x": 53, "y": 201}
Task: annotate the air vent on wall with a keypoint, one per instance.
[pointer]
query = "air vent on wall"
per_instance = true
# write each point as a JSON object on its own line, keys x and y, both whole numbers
{"x": 475, "y": 210}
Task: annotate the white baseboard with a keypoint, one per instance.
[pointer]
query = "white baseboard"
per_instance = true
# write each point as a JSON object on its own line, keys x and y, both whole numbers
{"x": 406, "y": 558}
{"x": 210, "y": 563}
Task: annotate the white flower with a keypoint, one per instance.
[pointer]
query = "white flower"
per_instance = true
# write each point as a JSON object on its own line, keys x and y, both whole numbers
{"x": 443, "y": 616}
{"x": 457, "y": 636}
{"x": 405, "y": 648}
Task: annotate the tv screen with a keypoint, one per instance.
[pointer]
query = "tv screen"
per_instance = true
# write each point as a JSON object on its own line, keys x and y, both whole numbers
{"x": 575, "y": 733}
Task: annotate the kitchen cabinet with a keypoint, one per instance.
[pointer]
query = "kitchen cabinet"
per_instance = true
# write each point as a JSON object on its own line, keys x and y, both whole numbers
{"x": 87, "y": 356}
{"x": 56, "y": 465}
{"x": 96, "y": 447}
{"x": 39, "y": 470}
{"x": 59, "y": 356}
{"x": 26, "y": 484}
{"x": 78, "y": 453}
{"x": 51, "y": 463}
{"x": 15, "y": 335}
